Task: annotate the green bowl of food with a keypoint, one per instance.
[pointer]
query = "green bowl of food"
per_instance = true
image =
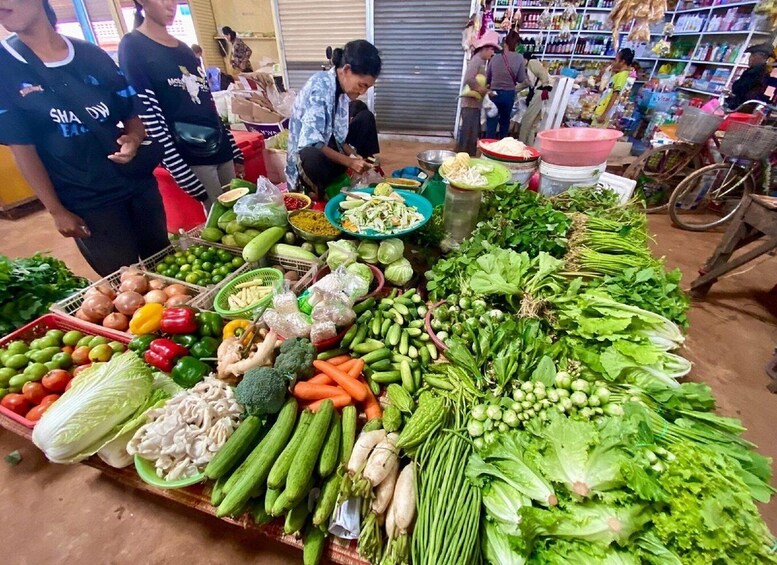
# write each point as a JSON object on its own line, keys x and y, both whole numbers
{"x": 313, "y": 226}
{"x": 147, "y": 471}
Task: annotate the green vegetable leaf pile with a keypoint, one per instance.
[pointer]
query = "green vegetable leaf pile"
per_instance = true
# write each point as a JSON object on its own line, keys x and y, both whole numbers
{"x": 28, "y": 286}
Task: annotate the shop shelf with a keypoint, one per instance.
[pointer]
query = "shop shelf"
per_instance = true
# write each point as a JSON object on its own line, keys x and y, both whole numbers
{"x": 697, "y": 91}
{"x": 715, "y": 7}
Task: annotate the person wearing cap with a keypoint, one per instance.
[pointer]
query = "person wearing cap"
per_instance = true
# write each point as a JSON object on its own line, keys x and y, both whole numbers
{"x": 469, "y": 128}
{"x": 752, "y": 83}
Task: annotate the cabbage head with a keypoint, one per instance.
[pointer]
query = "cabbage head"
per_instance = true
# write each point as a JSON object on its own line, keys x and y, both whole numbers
{"x": 341, "y": 253}
{"x": 368, "y": 251}
{"x": 399, "y": 272}
{"x": 390, "y": 250}
{"x": 362, "y": 271}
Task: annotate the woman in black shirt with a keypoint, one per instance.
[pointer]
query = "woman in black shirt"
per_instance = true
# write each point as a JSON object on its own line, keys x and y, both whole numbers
{"x": 180, "y": 113}
{"x": 114, "y": 219}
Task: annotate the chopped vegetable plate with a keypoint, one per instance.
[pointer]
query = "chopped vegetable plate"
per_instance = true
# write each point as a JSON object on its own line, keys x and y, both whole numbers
{"x": 495, "y": 174}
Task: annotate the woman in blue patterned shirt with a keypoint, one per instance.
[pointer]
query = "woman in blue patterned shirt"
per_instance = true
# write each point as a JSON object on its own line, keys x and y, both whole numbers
{"x": 318, "y": 151}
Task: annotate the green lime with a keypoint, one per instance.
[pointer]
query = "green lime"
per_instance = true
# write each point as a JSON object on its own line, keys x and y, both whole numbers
{"x": 181, "y": 261}
{"x": 196, "y": 251}
{"x": 224, "y": 255}
{"x": 170, "y": 259}
{"x": 161, "y": 268}
{"x": 191, "y": 258}
{"x": 71, "y": 338}
{"x": 207, "y": 266}
{"x": 185, "y": 268}
{"x": 237, "y": 262}
{"x": 57, "y": 334}
{"x": 216, "y": 279}
{"x": 179, "y": 254}
{"x": 192, "y": 278}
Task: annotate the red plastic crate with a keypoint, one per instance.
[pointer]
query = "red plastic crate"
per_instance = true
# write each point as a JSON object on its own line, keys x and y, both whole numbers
{"x": 252, "y": 145}
{"x": 37, "y": 328}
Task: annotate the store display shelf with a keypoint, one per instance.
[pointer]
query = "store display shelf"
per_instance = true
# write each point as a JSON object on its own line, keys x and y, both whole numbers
{"x": 716, "y": 63}
{"x": 697, "y": 91}
{"x": 573, "y": 56}
{"x": 741, "y": 32}
{"x": 715, "y": 7}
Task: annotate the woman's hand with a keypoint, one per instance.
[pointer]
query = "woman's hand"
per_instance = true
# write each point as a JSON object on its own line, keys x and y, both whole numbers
{"x": 70, "y": 225}
{"x": 359, "y": 165}
{"x": 128, "y": 148}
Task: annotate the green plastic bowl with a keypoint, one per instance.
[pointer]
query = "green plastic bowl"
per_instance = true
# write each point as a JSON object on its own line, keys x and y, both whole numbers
{"x": 267, "y": 276}
{"x": 147, "y": 472}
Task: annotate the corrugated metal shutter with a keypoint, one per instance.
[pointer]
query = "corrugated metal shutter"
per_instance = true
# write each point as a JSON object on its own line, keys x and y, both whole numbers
{"x": 98, "y": 10}
{"x": 420, "y": 45}
{"x": 205, "y": 26}
{"x": 64, "y": 10}
{"x": 309, "y": 26}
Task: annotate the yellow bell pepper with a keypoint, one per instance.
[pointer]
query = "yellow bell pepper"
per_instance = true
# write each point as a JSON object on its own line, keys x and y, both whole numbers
{"x": 146, "y": 319}
{"x": 232, "y": 327}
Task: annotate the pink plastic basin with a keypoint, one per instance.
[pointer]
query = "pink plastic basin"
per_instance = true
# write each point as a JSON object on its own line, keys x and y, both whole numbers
{"x": 577, "y": 147}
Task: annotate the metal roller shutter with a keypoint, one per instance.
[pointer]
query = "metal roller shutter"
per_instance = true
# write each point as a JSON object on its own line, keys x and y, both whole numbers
{"x": 64, "y": 10}
{"x": 205, "y": 26}
{"x": 309, "y": 26}
{"x": 98, "y": 10}
{"x": 420, "y": 44}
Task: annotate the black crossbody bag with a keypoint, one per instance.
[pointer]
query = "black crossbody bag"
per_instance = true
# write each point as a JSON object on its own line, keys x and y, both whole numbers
{"x": 149, "y": 153}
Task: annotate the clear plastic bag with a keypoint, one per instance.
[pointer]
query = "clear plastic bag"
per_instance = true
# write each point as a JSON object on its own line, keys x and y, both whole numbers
{"x": 333, "y": 309}
{"x": 285, "y": 303}
{"x": 340, "y": 282}
{"x": 287, "y": 325}
{"x": 262, "y": 209}
{"x": 322, "y": 331}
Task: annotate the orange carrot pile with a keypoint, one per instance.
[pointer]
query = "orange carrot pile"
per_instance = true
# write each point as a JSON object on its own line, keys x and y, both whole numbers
{"x": 339, "y": 380}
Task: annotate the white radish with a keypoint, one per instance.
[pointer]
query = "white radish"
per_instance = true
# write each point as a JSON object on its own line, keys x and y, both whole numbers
{"x": 363, "y": 448}
{"x": 385, "y": 490}
{"x": 391, "y": 521}
{"x": 382, "y": 459}
{"x": 403, "y": 502}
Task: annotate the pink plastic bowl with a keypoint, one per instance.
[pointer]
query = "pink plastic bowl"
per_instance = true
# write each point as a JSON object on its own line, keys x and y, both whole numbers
{"x": 577, "y": 147}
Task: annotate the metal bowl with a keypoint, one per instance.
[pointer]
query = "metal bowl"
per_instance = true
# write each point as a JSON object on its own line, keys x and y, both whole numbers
{"x": 308, "y": 236}
{"x": 431, "y": 159}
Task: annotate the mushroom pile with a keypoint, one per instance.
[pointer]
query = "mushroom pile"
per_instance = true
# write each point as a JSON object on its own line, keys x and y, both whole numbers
{"x": 186, "y": 433}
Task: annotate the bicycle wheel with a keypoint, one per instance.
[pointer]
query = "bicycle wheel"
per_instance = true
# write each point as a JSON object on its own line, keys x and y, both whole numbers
{"x": 710, "y": 196}
{"x": 659, "y": 170}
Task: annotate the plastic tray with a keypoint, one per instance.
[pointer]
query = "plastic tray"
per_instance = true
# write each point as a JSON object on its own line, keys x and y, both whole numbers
{"x": 147, "y": 472}
{"x": 268, "y": 276}
{"x": 497, "y": 177}
{"x": 37, "y": 328}
{"x": 428, "y": 325}
{"x": 70, "y": 305}
{"x": 378, "y": 280}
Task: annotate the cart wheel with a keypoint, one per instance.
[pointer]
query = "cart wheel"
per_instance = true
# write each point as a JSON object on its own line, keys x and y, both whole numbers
{"x": 659, "y": 170}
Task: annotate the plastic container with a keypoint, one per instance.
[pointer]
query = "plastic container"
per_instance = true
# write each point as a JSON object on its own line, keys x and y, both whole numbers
{"x": 555, "y": 179}
{"x": 521, "y": 170}
{"x": 181, "y": 210}
{"x": 252, "y": 145}
{"x": 147, "y": 472}
{"x": 623, "y": 186}
{"x": 577, "y": 147}
{"x": 461, "y": 212}
{"x": 37, "y": 328}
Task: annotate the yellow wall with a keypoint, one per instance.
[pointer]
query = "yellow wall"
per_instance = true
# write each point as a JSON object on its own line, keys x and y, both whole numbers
{"x": 13, "y": 188}
{"x": 246, "y": 16}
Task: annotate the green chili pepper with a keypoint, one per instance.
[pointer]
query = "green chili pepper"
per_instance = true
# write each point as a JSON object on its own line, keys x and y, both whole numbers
{"x": 206, "y": 348}
{"x": 210, "y": 324}
{"x": 188, "y": 371}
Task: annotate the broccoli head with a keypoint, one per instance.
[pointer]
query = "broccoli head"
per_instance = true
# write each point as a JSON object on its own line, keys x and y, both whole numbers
{"x": 262, "y": 391}
{"x": 295, "y": 360}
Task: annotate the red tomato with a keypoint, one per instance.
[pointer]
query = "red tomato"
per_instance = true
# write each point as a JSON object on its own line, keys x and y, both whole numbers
{"x": 56, "y": 380}
{"x": 68, "y": 349}
{"x": 16, "y": 403}
{"x": 81, "y": 355}
{"x": 69, "y": 384}
{"x": 34, "y": 392}
{"x": 34, "y": 414}
{"x": 49, "y": 400}
{"x": 78, "y": 370}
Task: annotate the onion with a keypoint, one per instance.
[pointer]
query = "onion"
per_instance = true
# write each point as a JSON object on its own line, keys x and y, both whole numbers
{"x": 156, "y": 284}
{"x": 116, "y": 321}
{"x": 155, "y": 297}
{"x": 177, "y": 300}
{"x": 107, "y": 290}
{"x": 128, "y": 302}
{"x": 81, "y": 316}
{"x": 130, "y": 272}
{"x": 96, "y": 307}
{"x": 134, "y": 283}
{"x": 175, "y": 289}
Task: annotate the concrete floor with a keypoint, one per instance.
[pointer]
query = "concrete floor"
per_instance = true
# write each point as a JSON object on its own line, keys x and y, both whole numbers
{"x": 58, "y": 514}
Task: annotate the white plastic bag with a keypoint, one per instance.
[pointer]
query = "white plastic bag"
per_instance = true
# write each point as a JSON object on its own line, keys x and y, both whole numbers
{"x": 262, "y": 209}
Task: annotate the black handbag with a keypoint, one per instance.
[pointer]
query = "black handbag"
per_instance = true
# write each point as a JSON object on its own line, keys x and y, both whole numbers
{"x": 197, "y": 142}
{"x": 149, "y": 153}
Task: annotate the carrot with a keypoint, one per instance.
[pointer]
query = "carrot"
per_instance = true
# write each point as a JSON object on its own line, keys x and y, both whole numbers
{"x": 356, "y": 389}
{"x": 339, "y": 401}
{"x": 372, "y": 407}
{"x": 339, "y": 360}
{"x": 345, "y": 367}
{"x": 307, "y": 391}
{"x": 320, "y": 379}
{"x": 356, "y": 369}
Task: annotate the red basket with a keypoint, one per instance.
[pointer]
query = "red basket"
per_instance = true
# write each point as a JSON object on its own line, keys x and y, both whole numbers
{"x": 428, "y": 325}
{"x": 378, "y": 280}
{"x": 37, "y": 328}
{"x": 739, "y": 117}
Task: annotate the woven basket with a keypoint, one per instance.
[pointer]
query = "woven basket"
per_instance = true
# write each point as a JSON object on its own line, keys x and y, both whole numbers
{"x": 266, "y": 276}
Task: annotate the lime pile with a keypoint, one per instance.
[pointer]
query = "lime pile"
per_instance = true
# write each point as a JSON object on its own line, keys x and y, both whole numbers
{"x": 200, "y": 265}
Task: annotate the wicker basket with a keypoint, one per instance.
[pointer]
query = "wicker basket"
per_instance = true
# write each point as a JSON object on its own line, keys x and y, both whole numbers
{"x": 696, "y": 125}
{"x": 70, "y": 305}
{"x": 747, "y": 141}
{"x": 268, "y": 277}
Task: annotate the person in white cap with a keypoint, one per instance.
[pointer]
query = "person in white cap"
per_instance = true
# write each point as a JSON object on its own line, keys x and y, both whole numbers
{"x": 469, "y": 128}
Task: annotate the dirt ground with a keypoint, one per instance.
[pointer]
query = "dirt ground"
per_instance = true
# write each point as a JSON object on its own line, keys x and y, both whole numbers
{"x": 71, "y": 514}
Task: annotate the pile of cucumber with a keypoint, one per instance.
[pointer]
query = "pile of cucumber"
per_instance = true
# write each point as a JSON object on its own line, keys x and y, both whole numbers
{"x": 272, "y": 474}
{"x": 389, "y": 336}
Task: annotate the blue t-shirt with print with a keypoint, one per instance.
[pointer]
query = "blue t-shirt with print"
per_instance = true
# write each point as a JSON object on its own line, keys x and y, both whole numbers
{"x": 75, "y": 159}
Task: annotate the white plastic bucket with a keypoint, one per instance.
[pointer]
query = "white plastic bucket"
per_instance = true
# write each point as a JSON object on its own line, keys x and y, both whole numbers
{"x": 521, "y": 170}
{"x": 555, "y": 179}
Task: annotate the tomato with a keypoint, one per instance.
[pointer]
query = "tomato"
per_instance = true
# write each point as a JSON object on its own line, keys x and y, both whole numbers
{"x": 35, "y": 413}
{"x": 78, "y": 370}
{"x": 49, "y": 400}
{"x": 81, "y": 355}
{"x": 34, "y": 392}
{"x": 69, "y": 384}
{"x": 68, "y": 349}
{"x": 56, "y": 380}
{"x": 16, "y": 403}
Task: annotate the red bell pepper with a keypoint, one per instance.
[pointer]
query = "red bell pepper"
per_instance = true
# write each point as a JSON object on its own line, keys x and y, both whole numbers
{"x": 178, "y": 320}
{"x": 162, "y": 354}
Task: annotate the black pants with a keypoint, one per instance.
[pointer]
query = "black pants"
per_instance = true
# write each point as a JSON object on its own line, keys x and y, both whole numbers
{"x": 124, "y": 232}
{"x": 317, "y": 171}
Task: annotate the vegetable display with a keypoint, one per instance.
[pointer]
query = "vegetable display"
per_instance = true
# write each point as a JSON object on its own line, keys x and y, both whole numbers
{"x": 383, "y": 212}
{"x": 201, "y": 265}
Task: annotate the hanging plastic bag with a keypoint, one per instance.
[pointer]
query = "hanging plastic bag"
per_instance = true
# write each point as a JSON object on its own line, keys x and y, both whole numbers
{"x": 264, "y": 208}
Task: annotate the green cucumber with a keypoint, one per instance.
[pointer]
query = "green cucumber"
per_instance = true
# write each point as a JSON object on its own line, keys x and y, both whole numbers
{"x": 360, "y": 335}
{"x": 349, "y": 335}
{"x": 368, "y": 346}
{"x": 292, "y": 252}
{"x": 387, "y": 377}
{"x": 269, "y": 499}
{"x": 277, "y": 477}
{"x": 330, "y": 454}
{"x": 404, "y": 343}
{"x": 313, "y": 548}
{"x": 295, "y": 519}
{"x": 258, "y": 514}
{"x": 218, "y": 494}
{"x": 285, "y": 502}
{"x": 382, "y": 365}
{"x": 301, "y": 470}
{"x": 406, "y": 375}
{"x": 348, "y": 428}
{"x": 327, "y": 499}
{"x": 385, "y": 326}
{"x": 217, "y": 209}
{"x": 261, "y": 244}
{"x": 377, "y": 355}
{"x": 239, "y": 444}
{"x": 432, "y": 350}
{"x": 393, "y": 336}
{"x": 364, "y": 306}
{"x": 332, "y": 353}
